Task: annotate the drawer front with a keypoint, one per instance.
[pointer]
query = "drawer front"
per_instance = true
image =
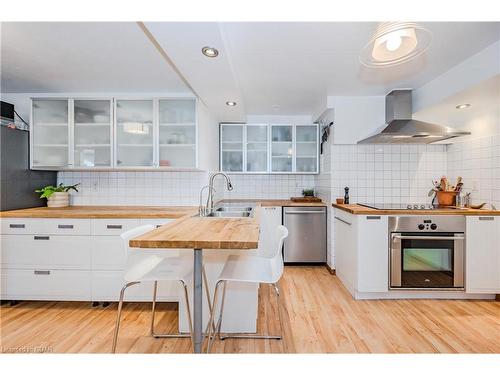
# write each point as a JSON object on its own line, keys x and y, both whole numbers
{"x": 113, "y": 227}
{"x": 23, "y": 226}
{"x": 156, "y": 222}
{"x": 73, "y": 227}
{"x": 108, "y": 253}
{"x": 106, "y": 286}
{"x": 55, "y": 252}
{"x": 46, "y": 284}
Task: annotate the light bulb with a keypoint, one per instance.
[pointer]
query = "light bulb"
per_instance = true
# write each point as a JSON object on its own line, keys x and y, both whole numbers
{"x": 393, "y": 42}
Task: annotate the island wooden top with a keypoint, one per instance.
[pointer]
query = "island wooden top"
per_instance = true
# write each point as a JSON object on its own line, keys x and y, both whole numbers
{"x": 357, "y": 209}
{"x": 102, "y": 212}
{"x": 204, "y": 233}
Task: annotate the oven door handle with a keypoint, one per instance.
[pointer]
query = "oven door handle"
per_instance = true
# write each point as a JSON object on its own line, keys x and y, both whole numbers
{"x": 460, "y": 237}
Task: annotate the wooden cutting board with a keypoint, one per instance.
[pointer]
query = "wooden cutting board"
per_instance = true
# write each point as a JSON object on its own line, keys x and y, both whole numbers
{"x": 306, "y": 199}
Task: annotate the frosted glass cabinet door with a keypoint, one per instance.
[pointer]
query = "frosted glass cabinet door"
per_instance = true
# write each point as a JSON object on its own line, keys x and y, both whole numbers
{"x": 256, "y": 148}
{"x": 92, "y": 132}
{"x": 231, "y": 147}
{"x": 50, "y": 125}
{"x": 134, "y": 133}
{"x": 306, "y": 146}
{"x": 177, "y": 133}
{"x": 281, "y": 148}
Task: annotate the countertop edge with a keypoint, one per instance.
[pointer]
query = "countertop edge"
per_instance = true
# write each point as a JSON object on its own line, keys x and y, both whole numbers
{"x": 356, "y": 209}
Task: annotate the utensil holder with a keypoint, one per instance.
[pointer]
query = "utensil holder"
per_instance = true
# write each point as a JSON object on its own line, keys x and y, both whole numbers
{"x": 446, "y": 198}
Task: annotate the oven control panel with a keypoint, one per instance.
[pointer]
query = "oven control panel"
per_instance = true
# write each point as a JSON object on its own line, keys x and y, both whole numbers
{"x": 427, "y": 225}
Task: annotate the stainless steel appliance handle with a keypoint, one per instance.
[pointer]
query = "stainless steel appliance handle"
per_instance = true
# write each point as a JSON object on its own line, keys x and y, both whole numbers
{"x": 304, "y": 212}
{"x": 345, "y": 222}
{"x": 461, "y": 237}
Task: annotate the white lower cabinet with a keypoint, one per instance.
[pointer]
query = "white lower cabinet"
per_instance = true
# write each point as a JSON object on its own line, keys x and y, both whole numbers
{"x": 482, "y": 258}
{"x": 361, "y": 252}
{"x": 270, "y": 219}
{"x": 71, "y": 259}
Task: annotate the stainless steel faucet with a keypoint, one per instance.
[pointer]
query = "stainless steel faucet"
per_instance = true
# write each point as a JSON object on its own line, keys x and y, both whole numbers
{"x": 209, "y": 207}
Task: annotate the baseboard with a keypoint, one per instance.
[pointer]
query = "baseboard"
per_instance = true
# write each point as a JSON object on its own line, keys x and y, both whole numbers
{"x": 330, "y": 269}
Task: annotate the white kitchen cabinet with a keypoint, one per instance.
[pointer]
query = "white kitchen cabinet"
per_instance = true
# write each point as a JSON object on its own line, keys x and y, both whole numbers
{"x": 361, "y": 252}
{"x": 270, "y": 219}
{"x": 50, "y": 135}
{"x": 93, "y": 132}
{"x": 275, "y": 148}
{"x": 135, "y": 133}
{"x": 231, "y": 147}
{"x": 482, "y": 259}
{"x": 177, "y": 133}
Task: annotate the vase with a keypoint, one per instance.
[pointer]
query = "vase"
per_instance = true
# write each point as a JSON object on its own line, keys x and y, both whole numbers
{"x": 58, "y": 200}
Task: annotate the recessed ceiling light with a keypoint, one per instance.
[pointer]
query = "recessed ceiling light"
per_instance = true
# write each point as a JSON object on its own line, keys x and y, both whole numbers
{"x": 231, "y": 104}
{"x": 463, "y": 106}
{"x": 210, "y": 51}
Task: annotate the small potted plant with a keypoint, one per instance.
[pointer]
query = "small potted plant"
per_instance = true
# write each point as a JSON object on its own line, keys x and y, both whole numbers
{"x": 308, "y": 192}
{"x": 57, "y": 196}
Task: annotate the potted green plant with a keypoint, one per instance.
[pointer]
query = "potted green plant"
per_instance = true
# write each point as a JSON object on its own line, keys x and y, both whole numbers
{"x": 308, "y": 192}
{"x": 57, "y": 196}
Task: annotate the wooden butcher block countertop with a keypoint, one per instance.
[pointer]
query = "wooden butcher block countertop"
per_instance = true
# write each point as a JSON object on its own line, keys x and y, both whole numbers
{"x": 276, "y": 202}
{"x": 102, "y": 212}
{"x": 204, "y": 233}
{"x": 357, "y": 209}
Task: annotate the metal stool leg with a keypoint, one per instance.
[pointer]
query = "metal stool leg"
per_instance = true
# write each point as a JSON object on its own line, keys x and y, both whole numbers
{"x": 210, "y": 324}
{"x": 219, "y": 322}
{"x": 120, "y": 306}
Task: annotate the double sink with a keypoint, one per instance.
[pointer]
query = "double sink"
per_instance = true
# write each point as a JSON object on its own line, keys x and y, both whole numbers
{"x": 230, "y": 210}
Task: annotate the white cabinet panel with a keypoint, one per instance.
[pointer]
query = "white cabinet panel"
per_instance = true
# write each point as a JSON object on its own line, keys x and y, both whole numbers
{"x": 54, "y": 252}
{"x": 108, "y": 253}
{"x": 373, "y": 254}
{"x": 113, "y": 227}
{"x": 73, "y": 227}
{"x": 270, "y": 219}
{"x": 345, "y": 248}
{"x": 482, "y": 254}
{"x": 45, "y": 284}
{"x": 50, "y": 133}
{"x": 23, "y": 226}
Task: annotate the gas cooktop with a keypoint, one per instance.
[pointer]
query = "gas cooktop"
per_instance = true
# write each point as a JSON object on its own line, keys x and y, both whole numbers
{"x": 397, "y": 206}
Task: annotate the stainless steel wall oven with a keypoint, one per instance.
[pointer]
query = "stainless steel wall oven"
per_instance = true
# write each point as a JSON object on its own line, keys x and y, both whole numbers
{"x": 427, "y": 252}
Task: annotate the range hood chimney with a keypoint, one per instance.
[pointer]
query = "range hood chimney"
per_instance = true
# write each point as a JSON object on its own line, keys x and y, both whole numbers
{"x": 401, "y": 128}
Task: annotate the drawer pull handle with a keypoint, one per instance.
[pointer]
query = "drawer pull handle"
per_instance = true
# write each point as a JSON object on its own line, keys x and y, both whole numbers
{"x": 158, "y": 225}
{"x": 40, "y": 272}
{"x": 486, "y": 218}
{"x": 41, "y": 237}
{"x": 112, "y": 226}
{"x": 373, "y": 218}
{"x": 65, "y": 226}
{"x": 342, "y": 220}
{"x": 17, "y": 226}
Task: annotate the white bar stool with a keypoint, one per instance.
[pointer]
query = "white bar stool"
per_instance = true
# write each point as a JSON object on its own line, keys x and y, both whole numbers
{"x": 264, "y": 268}
{"x": 156, "y": 265}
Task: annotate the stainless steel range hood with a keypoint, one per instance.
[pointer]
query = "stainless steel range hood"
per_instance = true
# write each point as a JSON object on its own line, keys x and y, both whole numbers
{"x": 401, "y": 128}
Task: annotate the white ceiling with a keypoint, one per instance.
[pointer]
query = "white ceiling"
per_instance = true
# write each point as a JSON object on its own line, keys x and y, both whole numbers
{"x": 268, "y": 68}
{"x": 82, "y": 57}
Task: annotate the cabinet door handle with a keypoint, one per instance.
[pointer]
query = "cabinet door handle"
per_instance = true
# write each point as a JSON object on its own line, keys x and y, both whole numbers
{"x": 270, "y": 208}
{"x": 41, "y": 272}
{"x": 345, "y": 222}
{"x": 373, "y": 218}
{"x": 158, "y": 225}
{"x": 114, "y": 226}
{"x": 17, "y": 226}
{"x": 41, "y": 237}
{"x": 486, "y": 218}
{"x": 65, "y": 226}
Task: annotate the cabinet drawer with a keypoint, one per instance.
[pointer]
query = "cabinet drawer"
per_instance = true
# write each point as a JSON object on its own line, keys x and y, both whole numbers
{"x": 113, "y": 227}
{"x": 108, "y": 253}
{"x": 23, "y": 226}
{"x": 55, "y": 252}
{"x": 74, "y": 227}
{"x": 45, "y": 284}
{"x": 156, "y": 222}
{"x": 106, "y": 286}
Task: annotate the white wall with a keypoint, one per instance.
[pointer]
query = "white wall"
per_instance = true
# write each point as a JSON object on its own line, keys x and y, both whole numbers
{"x": 356, "y": 117}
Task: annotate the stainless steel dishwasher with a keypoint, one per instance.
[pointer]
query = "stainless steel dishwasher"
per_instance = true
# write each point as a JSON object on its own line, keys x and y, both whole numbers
{"x": 306, "y": 241}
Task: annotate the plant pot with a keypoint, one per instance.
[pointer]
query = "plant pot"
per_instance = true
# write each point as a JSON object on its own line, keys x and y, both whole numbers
{"x": 446, "y": 198}
{"x": 58, "y": 200}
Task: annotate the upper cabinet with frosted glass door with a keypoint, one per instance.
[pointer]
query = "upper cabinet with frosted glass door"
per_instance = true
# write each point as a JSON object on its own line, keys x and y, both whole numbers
{"x": 231, "y": 147}
{"x": 282, "y": 148}
{"x": 50, "y": 133}
{"x": 177, "y": 134}
{"x": 93, "y": 132}
{"x": 306, "y": 148}
{"x": 135, "y": 133}
{"x": 257, "y": 145}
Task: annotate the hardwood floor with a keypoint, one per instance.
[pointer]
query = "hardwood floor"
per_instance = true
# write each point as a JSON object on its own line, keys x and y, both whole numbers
{"x": 320, "y": 317}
